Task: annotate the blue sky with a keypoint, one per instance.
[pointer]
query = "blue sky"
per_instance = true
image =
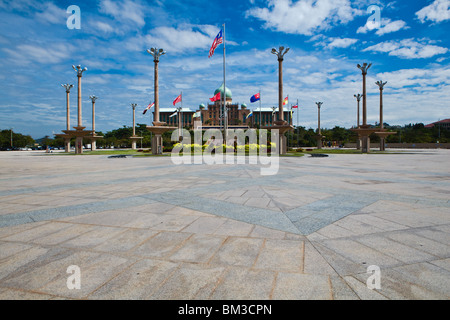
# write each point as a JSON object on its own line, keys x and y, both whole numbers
{"x": 327, "y": 39}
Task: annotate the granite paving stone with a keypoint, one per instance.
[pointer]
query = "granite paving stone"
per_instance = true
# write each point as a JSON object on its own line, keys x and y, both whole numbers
{"x": 137, "y": 282}
{"x": 243, "y": 284}
{"x": 144, "y": 228}
{"x": 294, "y": 286}
{"x": 162, "y": 245}
{"x": 238, "y": 252}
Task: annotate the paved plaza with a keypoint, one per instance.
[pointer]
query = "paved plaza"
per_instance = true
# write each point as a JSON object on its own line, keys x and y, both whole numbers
{"x": 144, "y": 228}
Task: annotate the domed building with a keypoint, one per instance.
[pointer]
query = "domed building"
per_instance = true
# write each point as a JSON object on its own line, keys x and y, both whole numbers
{"x": 210, "y": 114}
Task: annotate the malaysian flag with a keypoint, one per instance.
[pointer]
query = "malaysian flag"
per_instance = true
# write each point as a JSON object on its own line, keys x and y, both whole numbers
{"x": 218, "y": 40}
{"x": 149, "y": 107}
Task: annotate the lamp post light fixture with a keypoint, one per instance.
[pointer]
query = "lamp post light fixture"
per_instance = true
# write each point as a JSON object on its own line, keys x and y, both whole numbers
{"x": 364, "y": 69}
{"x": 93, "y": 142}
{"x": 358, "y": 99}
{"x": 381, "y": 85}
{"x": 364, "y": 129}
{"x": 273, "y": 115}
{"x": 319, "y": 104}
{"x": 79, "y": 71}
{"x": 280, "y": 55}
{"x": 68, "y": 87}
{"x": 319, "y": 131}
{"x": 134, "y": 138}
{"x": 134, "y": 105}
{"x": 156, "y": 53}
{"x": 358, "y": 141}
{"x": 180, "y": 126}
{"x": 79, "y": 128}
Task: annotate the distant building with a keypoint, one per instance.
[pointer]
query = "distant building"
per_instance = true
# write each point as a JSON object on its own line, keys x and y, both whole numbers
{"x": 210, "y": 114}
{"x": 444, "y": 124}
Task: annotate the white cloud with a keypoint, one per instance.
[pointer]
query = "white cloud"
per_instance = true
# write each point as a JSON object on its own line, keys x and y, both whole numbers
{"x": 417, "y": 78}
{"x": 124, "y": 11}
{"x": 185, "y": 37}
{"x": 304, "y": 16}
{"x": 386, "y": 26}
{"x": 438, "y": 11}
{"x": 341, "y": 43}
{"x": 26, "y": 53}
{"x": 392, "y": 27}
{"x": 408, "y": 49}
{"x": 52, "y": 14}
{"x": 103, "y": 26}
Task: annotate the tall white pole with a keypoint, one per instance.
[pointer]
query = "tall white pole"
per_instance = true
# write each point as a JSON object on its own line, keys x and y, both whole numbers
{"x": 225, "y": 115}
{"x": 260, "y": 109}
{"x": 298, "y": 130}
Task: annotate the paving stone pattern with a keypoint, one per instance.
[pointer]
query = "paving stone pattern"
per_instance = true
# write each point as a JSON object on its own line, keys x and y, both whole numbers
{"x": 144, "y": 228}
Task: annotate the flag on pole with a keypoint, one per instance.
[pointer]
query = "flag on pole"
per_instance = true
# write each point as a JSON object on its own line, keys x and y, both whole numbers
{"x": 197, "y": 114}
{"x": 173, "y": 114}
{"x": 218, "y": 40}
{"x": 216, "y": 97}
{"x": 249, "y": 115}
{"x": 255, "y": 98}
{"x": 273, "y": 112}
{"x": 178, "y": 99}
{"x": 285, "y": 102}
{"x": 295, "y": 107}
{"x": 149, "y": 107}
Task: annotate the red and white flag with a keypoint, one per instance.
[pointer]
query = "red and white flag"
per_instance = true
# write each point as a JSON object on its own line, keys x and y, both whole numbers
{"x": 178, "y": 99}
{"x": 149, "y": 107}
{"x": 218, "y": 40}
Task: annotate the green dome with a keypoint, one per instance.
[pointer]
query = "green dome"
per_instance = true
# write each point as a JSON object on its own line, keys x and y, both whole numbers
{"x": 244, "y": 105}
{"x": 202, "y": 105}
{"x": 220, "y": 89}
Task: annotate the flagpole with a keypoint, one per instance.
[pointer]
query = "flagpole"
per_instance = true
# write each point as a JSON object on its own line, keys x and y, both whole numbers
{"x": 182, "y": 120}
{"x": 259, "y": 109}
{"x": 298, "y": 130}
{"x": 225, "y": 116}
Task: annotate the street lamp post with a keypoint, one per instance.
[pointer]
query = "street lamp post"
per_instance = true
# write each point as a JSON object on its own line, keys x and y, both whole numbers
{"x": 158, "y": 127}
{"x": 79, "y": 139}
{"x": 280, "y": 55}
{"x": 358, "y": 99}
{"x": 79, "y": 75}
{"x": 319, "y": 131}
{"x": 180, "y": 126}
{"x": 381, "y": 85}
{"x": 364, "y": 69}
{"x": 68, "y": 87}
{"x": 358, "y": 141}
{"x": 133, "y": 137}
{"x": 365, "y": 136}
{"x": 156, "y": 53}
{"x": 93, "y": 143}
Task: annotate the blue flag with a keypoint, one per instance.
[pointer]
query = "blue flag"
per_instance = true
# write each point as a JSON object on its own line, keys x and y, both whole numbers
{"x": 254, "y": 98}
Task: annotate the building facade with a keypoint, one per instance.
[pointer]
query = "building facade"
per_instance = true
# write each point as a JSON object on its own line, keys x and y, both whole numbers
{"x": 211, "y": 115}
